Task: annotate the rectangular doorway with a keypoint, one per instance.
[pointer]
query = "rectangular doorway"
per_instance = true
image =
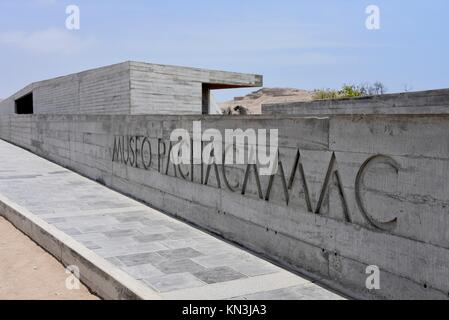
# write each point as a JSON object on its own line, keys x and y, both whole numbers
{"x": 24, "y": 105}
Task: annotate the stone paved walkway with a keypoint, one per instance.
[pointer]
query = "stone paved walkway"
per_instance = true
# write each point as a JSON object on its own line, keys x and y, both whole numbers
{"x": 171, "y": 257}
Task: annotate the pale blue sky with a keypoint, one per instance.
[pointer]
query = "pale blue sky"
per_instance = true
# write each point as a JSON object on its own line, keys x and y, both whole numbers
{"x": 293, "y": 43}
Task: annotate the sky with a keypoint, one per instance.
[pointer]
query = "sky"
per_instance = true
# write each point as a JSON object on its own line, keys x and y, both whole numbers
{"x": 293, "y": 43}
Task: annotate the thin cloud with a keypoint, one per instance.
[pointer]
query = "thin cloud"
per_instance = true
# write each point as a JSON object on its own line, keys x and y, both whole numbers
{"x": 48, "y": 41}
{"x": 45, "y": 2}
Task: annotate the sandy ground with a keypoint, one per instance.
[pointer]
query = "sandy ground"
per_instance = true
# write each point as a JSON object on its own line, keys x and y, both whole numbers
{"x": 27, "y": 272}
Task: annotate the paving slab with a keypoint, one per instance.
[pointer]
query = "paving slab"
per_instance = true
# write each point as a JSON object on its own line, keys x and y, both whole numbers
{"x": 167, "y": 256}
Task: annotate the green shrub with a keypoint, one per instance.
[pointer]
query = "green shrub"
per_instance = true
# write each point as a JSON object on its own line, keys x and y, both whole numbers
{"x": 325, "y": 94}
{"x": 350, "y": 91}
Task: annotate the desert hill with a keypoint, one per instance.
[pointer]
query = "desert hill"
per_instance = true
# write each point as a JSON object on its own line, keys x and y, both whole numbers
{"x": 253, "y": 101}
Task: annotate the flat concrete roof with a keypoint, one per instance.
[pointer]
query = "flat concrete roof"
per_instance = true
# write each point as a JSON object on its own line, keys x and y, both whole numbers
{"x": 130, "y": 87}
{"x": 216, "y": 78}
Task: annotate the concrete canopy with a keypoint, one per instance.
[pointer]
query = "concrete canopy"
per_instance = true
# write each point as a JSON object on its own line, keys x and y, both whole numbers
{"x": 130, "y": 88}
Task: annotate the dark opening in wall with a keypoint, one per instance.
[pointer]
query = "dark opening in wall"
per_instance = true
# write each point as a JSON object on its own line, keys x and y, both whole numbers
{"x": 206, "y": 99}
{"x": 24, "y": 105}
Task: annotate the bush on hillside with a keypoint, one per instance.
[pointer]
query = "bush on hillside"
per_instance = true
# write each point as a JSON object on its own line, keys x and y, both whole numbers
{"x": 350, "y": 91}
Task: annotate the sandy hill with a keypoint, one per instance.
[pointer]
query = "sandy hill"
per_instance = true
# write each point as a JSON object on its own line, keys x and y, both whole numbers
{"x": 253, "y": 101}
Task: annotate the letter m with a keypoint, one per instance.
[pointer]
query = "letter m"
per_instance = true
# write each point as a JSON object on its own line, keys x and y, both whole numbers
{"x": 332, "y": 172}
{"x": 117, "y": 151}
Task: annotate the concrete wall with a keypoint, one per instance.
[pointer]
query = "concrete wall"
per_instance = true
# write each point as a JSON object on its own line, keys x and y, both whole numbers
{"x": 98, "y": 91}
{"x": 129, "y": 88}
{"x": 162, "y": 89}
{"x": 424, "y": 102}
{"x": 382, "y": 182}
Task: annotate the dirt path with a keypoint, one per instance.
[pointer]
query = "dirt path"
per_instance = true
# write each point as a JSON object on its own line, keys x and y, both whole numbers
{"x": 28, "y": 272}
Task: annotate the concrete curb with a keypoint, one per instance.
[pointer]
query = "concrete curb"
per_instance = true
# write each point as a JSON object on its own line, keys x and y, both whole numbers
{"x": 98, "y": 274}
